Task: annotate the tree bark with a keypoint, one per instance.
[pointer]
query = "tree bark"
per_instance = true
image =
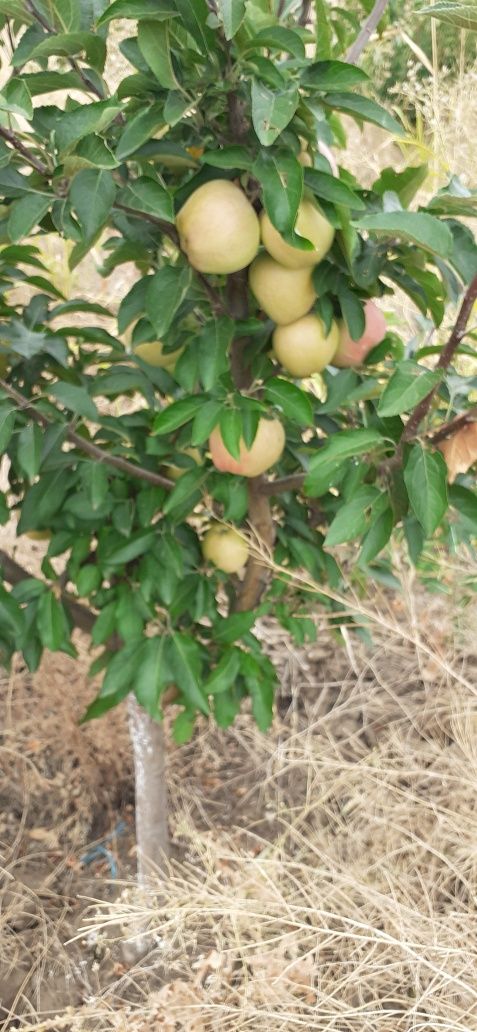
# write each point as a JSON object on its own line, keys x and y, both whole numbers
{"x": 149, "y": 754}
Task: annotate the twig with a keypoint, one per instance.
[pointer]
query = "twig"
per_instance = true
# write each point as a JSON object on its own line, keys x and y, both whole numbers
{"x": 24, "y": 405}
{"x": 362, "y": 40}
{"x": 450, "y": 428}
{"x": 14, "y": 574}
{"x": 444, "y": 361}
{"x": 305, "y": 12}
{"x": 291, "y": 483}
{"x": 71, "y": 61}
{"x": 29, "y": 157}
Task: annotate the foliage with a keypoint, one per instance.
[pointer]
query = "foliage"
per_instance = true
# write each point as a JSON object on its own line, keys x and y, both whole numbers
{"x": 231, "y": 95}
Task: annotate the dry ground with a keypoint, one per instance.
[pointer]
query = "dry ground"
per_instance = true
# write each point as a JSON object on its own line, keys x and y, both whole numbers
{"x": 324, "y": 877}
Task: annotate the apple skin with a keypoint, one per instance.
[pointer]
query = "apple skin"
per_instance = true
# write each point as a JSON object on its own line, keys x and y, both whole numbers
{"x": 175, "y": 472}
{"x": 312, "y": 225}
{"x": 152, "y": 352}
{"x": 226, "y": 548}
{"x": 283, "y": 294}
{"x": 303, "y": 347}
{"x": 264, "y": 453}
{"x": 353, "y": 352}
{"x": 218, "y": 229}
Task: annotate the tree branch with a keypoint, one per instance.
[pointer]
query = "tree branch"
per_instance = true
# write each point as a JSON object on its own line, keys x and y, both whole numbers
{"x": 90, "y": 86}
{"x": 24, "y": 405}
{"x": 444, "y": 361}
{"x": 362, "y": 40}
{"x": 14, "y": 574}
{"x": 275, "y": 487}
{"x": 27, "y": 154}
{"x": 451, "y": 428}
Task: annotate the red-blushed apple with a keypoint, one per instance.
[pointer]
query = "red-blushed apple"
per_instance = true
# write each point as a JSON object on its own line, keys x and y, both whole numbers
{"x": 353, "y": 352}
{"x": 265, "y": 451}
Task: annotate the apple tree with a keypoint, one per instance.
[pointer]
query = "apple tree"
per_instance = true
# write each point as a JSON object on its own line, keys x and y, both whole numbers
{"x": 247, "y": 397}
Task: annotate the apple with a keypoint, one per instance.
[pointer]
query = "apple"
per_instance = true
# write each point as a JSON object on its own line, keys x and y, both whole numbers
{"x": 174, "y": 472}
{"x": 225, "y": 547}
{"x": 218, "y": 229}
{"x": 304, "y": 347}
{"x": 283, "y": 294}
{"x": 312, "y": 225}
{"x": 353, "y": 352}
{"x": 152, "y": 352}
{"x": 265, "y": 451}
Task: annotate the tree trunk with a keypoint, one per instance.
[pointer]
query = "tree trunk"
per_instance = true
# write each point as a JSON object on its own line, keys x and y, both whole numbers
{"x": 152, "y": 833}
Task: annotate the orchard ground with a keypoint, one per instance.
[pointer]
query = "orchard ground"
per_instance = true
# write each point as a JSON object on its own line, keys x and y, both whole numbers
{"x": 322, "y": 877}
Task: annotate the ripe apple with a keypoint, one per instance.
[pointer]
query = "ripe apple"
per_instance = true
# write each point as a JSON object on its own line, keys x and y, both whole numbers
{"x": 152, "y": 352}
{"x": 312, "y": 225}
{"x": 265, "y": 451}
{"x": 226, "y": 548}
{"x": 304, "y": 347}
{"x": 353, "y": 352}
{"x": 174, "y": 472}
{"x": 218, "y": 229}
{"x": 283, "y": 294}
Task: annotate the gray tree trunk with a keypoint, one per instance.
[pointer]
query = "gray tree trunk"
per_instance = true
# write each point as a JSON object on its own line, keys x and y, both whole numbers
{"x": 152, "y": 833}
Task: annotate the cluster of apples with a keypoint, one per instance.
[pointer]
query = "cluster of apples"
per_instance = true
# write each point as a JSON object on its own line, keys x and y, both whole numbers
{"x": 220, "y": 233}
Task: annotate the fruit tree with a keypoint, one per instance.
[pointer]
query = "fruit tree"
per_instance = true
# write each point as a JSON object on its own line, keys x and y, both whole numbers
{"x": 252, "y": 393}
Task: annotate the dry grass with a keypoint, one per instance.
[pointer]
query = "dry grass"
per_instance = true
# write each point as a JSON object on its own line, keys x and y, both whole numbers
{"x": 350, "y": 903}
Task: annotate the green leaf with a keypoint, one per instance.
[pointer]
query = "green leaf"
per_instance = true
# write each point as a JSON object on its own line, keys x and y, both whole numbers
{"x": 148, "y": 196}
{"x": 153, "y": 41}
{"x": 73, "y": 126}
{"x": 323, "y": 29}
{"x": 11, "y": 615}
{"x": 122, "y": 669}
{"x": 50, "y": 81}
{"x": 187, "y": 490}
{"x": 454, "y": 12}
{"x": 94, "y": 152}
{"x": 70, "y": 44}
{"x": 228, "y": 157}
{"x": 175, "y": 415}
{"x": 26, "y": 213}
{"x": 326, "y": 466}
{"x": 153, "y": 675}
{"x": 29, "y": 449}
{"x": 354, "y": 517}
{"x": 409, "y": 384}
{"x": 465, "y": 502}
{"x": 228, "y": 629}
{"x": 52, "y": 623}
{"x": 352, "y": 309}
{"x": 16, "y": 98}
{"x": 92, "y": 195}
{"x": 105, "y": 624}
{"x": 362, "y": 108}
{"x": 224, "y": 674}
{"x": 185, "y": 660}
{"x": 424, "y": 230}
{"x": 332, "y": 75}
{"x": 214, "y": 343}
{"x": 159, "y": 10}
{"x": 194, "y": 14}
{"x": 425, "y": 476}
{"x": 272, "y": 110}
{"x": 166, "y": 290}
{"x": 377, "y": 536}
{"x": 231, "y": 430}
{"x": 138, "y": 129}
{"x": 67, "y": 15}
{"x": 88, "y": 580}
{"x": 276, "y": 37}
{"x": 405, "y": 184}
{"x": 74, "y": 398}
{"x": 281, "y": 178}
{"x": 102, "y": 705}
{"x": 207, "y": 417}
{"x": 8, "y": 416}
{"x": 332, "y": 189}
{"x": 260, "y": 679}
{"x": 231, "y": 13}
{"x": 136, "y": 546}
{"x": 294, "y": 402}
{"x": 183, "y": 727}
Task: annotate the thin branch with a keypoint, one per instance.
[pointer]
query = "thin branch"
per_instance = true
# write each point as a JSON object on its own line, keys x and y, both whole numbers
{"x": 14, "y": 574}
{"x": 275, "y": 487}
{"x": 451, "y": 428}
{"x": 305, "y": 12}
{"x": 362, "y": 40}
{"x": 445, "y": 358}
{"x": 27, "y": 154}
{"x": 91, "y": 86}
{"x": 24, "y": 405}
